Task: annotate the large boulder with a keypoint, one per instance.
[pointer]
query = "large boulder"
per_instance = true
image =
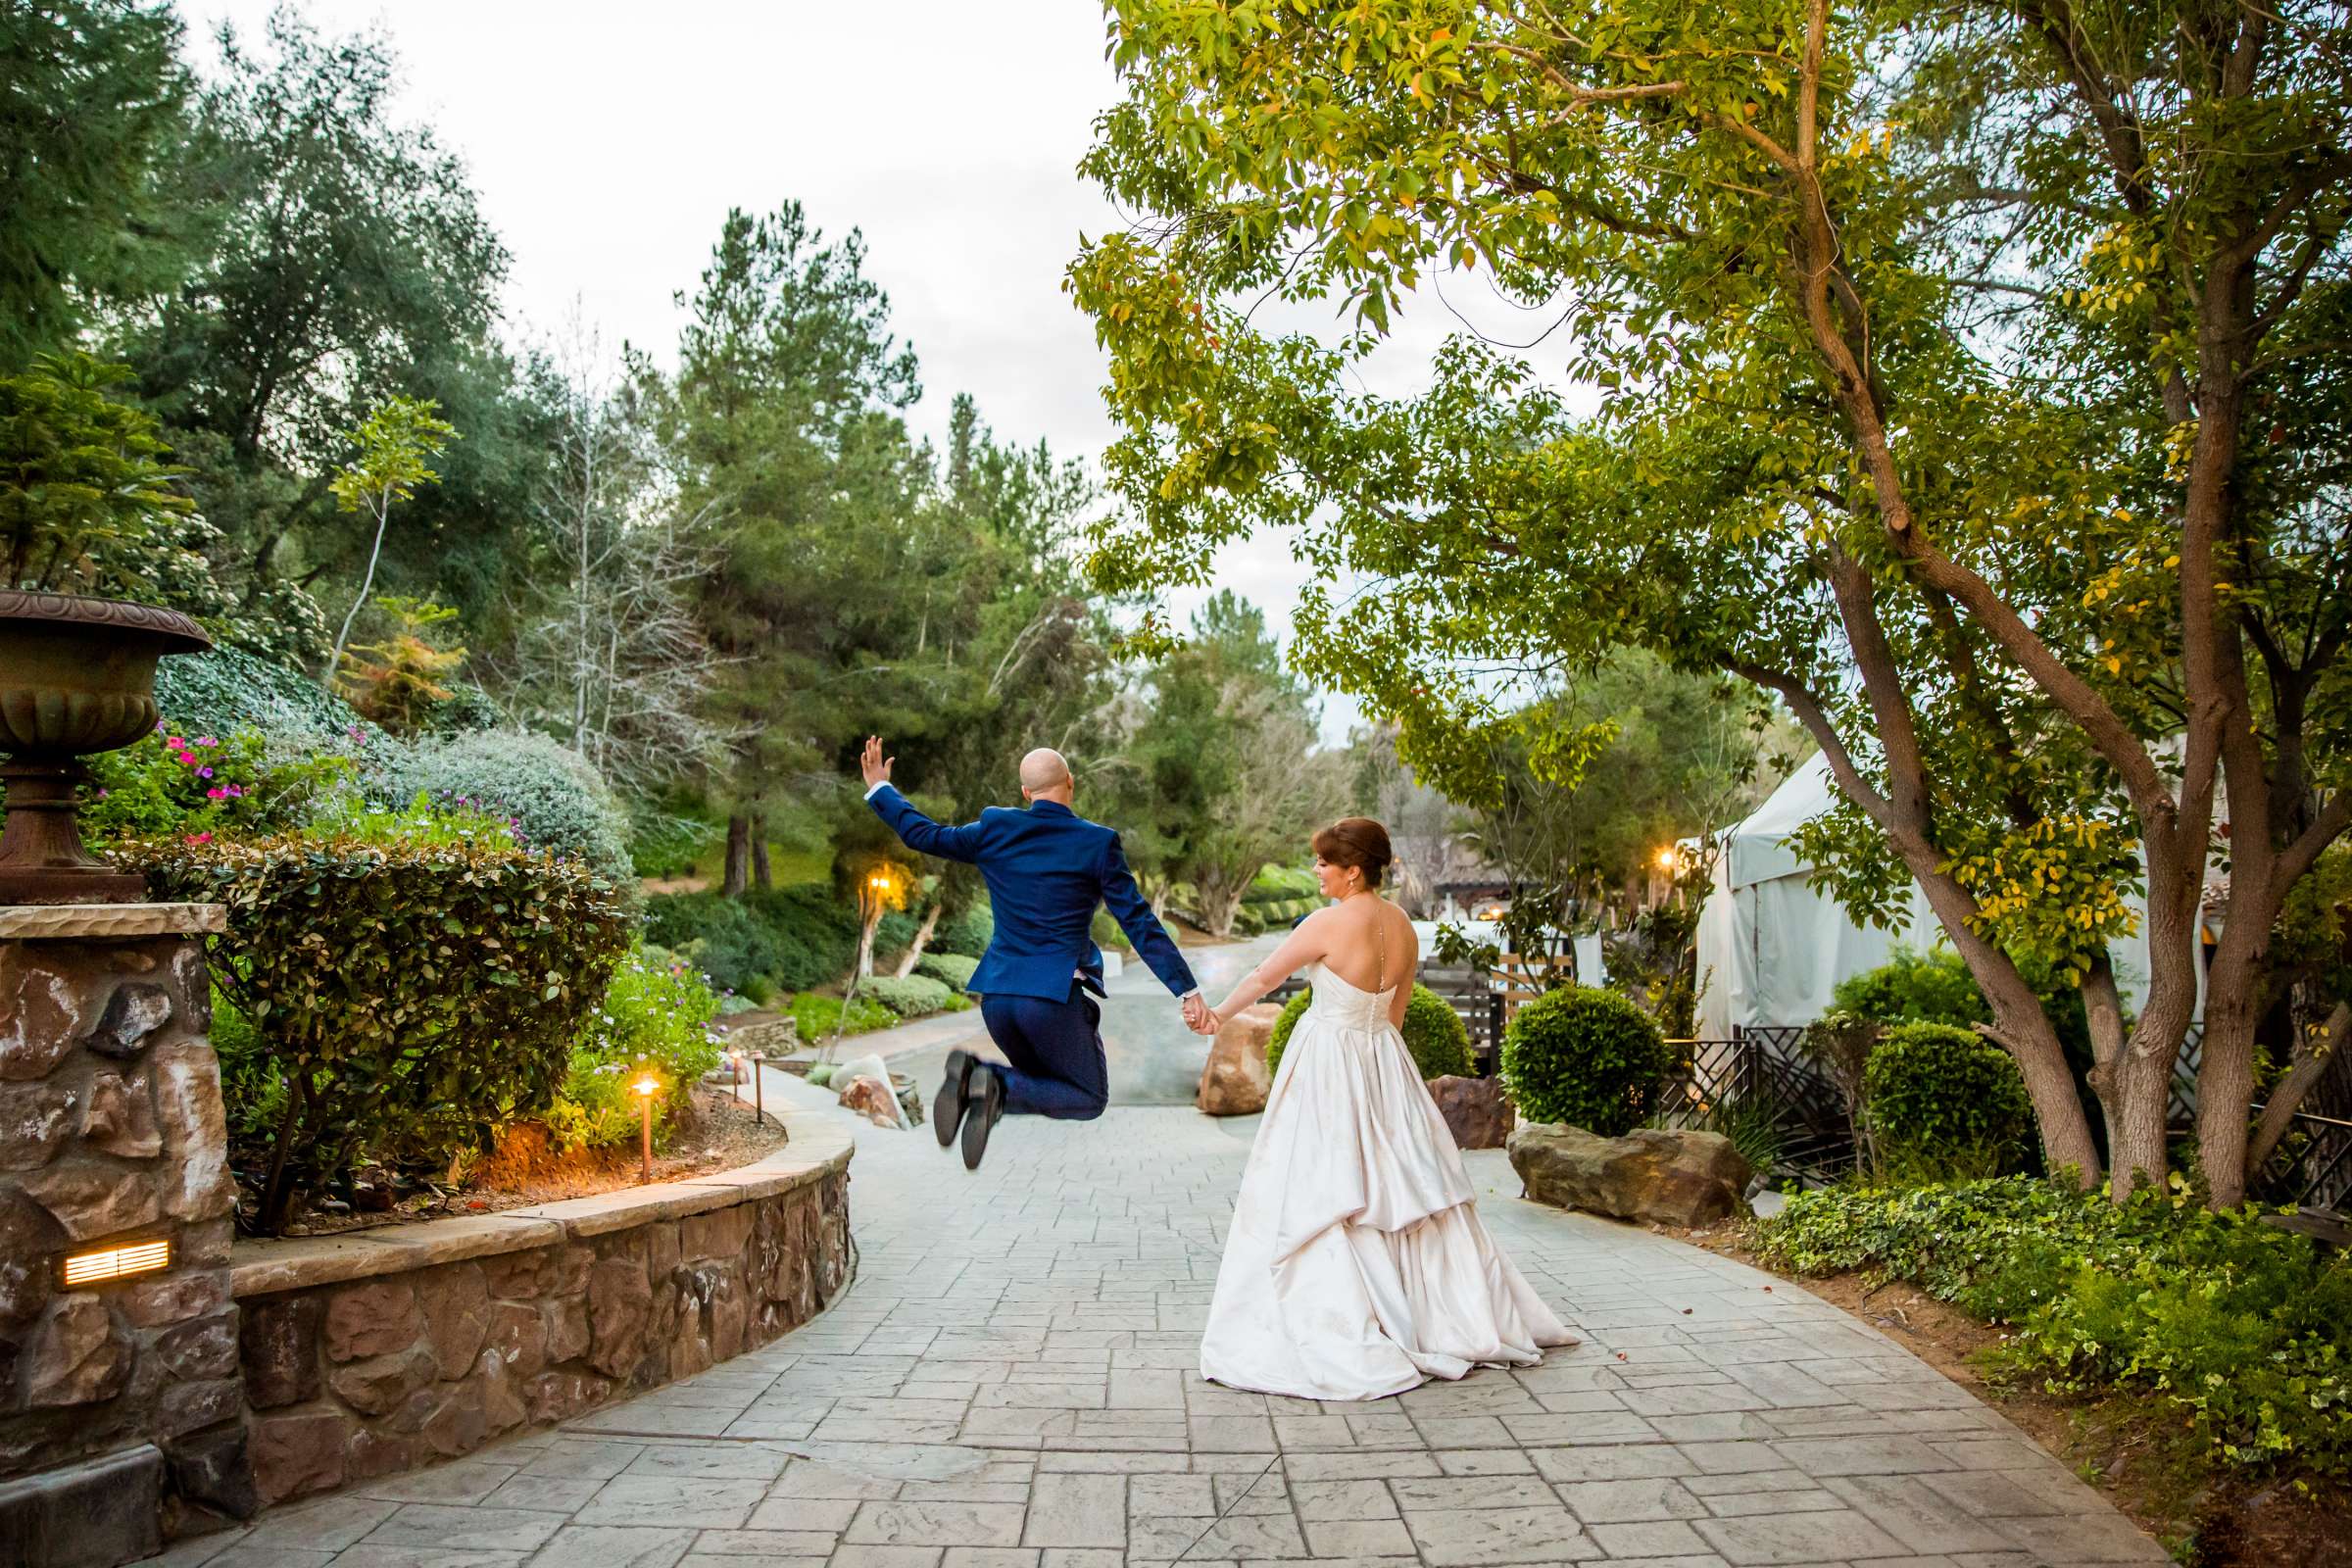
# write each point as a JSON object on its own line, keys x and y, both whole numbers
{"x": 1651, "y": 1175}
{"x": 1235, "y": 1082}
{"x": 871, "y": 1099}
{"x": 1476, "y": 1111}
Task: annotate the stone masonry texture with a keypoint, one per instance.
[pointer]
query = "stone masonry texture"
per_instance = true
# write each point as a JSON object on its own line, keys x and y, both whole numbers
{"x": 111, "y": 1128}
{"x": 364, "y": 1379}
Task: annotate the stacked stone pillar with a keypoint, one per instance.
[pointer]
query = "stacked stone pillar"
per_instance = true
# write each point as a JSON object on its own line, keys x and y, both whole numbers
{"x": 121, "y": 1408}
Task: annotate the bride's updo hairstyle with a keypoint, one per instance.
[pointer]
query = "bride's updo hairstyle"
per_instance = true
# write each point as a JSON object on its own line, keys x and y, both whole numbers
{"x": 1359, "y": 842}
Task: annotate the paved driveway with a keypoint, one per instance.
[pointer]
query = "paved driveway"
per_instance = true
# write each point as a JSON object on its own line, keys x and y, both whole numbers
{"x": 1008, "y": 1385}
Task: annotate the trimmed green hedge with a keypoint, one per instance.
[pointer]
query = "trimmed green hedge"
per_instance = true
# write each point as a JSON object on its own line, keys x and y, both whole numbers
{"x": 952, "y": 968}
{"x": 817, "y": 1016}
{"x": 1432, "y": 1033}
{"x": 912, "y": 996}
{"x": 411, "y": 996}
{"x": 1946, "y": 1101}
{"x": 1935, "y": 987}
{"x": 1585, "y": 1057}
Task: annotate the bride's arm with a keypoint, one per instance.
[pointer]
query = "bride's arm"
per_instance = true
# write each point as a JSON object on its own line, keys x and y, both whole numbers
{"x": 1306, "y": 943}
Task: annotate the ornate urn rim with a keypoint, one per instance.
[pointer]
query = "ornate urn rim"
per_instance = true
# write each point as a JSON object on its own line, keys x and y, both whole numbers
{"x": 172, "y": 631}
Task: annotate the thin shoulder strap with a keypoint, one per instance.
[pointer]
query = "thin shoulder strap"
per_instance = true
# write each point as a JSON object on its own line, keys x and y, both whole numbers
{"x": 1379, "y": 971}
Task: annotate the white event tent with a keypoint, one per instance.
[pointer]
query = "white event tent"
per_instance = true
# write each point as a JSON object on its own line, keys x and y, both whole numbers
{"x": 1772, "y": 950}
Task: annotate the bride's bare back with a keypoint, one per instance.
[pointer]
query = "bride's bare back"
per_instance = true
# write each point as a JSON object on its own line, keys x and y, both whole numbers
{"x": 1363, "y": 939}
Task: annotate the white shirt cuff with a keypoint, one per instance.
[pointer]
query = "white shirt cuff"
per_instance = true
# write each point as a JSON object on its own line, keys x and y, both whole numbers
{"x": 871, "y": 788}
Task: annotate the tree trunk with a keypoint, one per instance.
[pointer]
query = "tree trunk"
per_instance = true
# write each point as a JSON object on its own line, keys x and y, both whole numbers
{"x": 762, "y": 877}
{"x": 2225, "y": 1084}
{"x": 2103, "y": 1006}
{"x": 334, "y": 661}
{"x": 865, "y": 944}
{"x": 1220, "y": 905}
{"x": 2135, "y": 1144}
{"x": 922, "y": 939}
{"x": 739, "y": 857}
{"x": 2144, "y": 1072}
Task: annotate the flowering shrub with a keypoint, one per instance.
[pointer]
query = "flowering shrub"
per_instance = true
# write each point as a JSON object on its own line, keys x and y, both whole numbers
{"x": 2241, "y": 1333}
{"x": 655, "y": 1021}
{"x": 178, "y": 781}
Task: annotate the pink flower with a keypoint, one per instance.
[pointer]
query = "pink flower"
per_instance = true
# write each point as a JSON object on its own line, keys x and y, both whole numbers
{"x": 200, "y": 838}
{"x": 204, "y": 773}
{"x": 206, "y": 740}
{"x": 188, "y": 757}
{"x": 173, "y": 741}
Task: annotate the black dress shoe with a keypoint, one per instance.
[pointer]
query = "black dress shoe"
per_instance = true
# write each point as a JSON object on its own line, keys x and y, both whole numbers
{"x": 987, "y": 1103}
{"x": 955, "y": 1092}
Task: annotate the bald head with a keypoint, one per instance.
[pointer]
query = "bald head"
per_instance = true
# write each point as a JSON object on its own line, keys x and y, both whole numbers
{"x": 1045, "y": 776}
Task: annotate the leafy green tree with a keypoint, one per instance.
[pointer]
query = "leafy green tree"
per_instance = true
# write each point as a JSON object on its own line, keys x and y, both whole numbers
{"x": 93, "y": 111}
{"x": 1009, "y": 652}
{"x": 1223, "y": 768}
{"x": 1972, "y": 379}
{"x": 86, "y": 502}
{"x": 347, "y": 260}
{"x": 784, "y": 417}
{"x": 396, "y": 443}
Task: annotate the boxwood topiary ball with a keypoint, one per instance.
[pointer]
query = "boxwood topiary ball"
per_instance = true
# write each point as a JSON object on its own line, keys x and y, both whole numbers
{"x": 1584, "y": 1057}
{"x": 1946, "y": 1100}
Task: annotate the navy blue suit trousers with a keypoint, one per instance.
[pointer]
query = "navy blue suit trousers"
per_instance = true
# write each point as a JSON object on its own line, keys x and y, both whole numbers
{"x": 1055, "y": 1051}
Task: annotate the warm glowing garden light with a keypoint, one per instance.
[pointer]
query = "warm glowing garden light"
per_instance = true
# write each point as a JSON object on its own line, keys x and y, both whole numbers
{"x": 110, "y": 1264}
{"x": 646, "y": 1088}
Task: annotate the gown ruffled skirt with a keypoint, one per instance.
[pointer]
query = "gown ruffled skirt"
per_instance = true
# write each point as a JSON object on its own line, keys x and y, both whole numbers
{"x": 1356, "y": 1267}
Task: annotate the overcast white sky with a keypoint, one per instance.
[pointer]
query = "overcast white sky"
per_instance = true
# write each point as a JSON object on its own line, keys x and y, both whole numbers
{"x": 608, "y": 141}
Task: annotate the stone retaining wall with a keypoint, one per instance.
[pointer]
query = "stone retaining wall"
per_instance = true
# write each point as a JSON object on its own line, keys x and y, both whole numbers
{"x": 375, "y": 1352}
{"x": 118, "y": 1402}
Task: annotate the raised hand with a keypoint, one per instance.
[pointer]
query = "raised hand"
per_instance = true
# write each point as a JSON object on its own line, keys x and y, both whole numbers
{"x": 873, "y": 765}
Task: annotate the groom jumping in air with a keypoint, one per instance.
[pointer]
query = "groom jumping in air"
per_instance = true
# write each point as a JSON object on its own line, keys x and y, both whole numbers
{"x": 1047, "y": 869}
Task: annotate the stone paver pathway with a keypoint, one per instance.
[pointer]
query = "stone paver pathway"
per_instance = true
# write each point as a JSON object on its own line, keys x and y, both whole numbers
{"x": 1009, "y": 1385}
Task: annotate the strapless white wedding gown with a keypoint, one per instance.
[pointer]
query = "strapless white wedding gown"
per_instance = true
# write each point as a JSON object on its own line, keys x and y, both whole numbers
{"x": 1356, "y": 1267}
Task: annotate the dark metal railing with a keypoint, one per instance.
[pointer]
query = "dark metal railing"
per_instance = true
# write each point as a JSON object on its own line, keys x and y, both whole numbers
{"x": 1758, "y": 1090}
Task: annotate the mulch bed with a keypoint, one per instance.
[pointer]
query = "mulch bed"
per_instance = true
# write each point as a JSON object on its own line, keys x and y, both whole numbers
{"x": 2208, "y": 1521}
{"x": 525, "y": 1169}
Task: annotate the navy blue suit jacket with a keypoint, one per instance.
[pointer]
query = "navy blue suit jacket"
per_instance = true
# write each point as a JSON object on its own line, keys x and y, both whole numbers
{"x": 1046, "y": 869}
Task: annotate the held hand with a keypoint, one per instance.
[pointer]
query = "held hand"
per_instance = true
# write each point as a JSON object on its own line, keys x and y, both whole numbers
{"x": 873, "y": 765}
{"x": 1199, "y": 1016}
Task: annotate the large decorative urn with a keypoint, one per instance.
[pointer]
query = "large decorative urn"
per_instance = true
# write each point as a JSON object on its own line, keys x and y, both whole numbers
{"x": 76, "y": 677}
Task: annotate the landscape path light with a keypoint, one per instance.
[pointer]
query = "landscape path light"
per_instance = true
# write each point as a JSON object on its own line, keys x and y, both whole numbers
{"x": 646, "y": 1088}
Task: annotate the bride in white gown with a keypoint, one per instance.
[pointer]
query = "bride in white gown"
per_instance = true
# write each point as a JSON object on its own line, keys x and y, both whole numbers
{"x": 1356, "y": 1267}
